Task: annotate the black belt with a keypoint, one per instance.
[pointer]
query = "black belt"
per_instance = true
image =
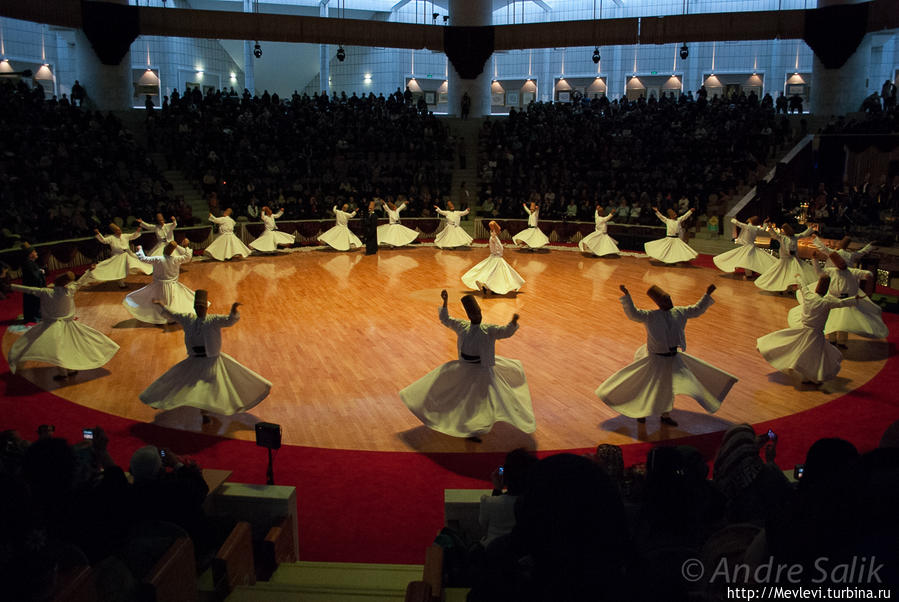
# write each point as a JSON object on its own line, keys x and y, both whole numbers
{"x": 843, "y": 295}
{"x": 529, "y": 227}
{"x": 199, "y": 351}
{"x": 672, "y": 236}
{"x": 474, "y": 359}
{"x": 671, "y": 353}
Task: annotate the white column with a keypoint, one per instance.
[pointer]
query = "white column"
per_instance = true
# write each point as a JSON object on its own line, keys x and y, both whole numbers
{"x": 108, "y": 87}
{"x": 470, "y": 13}
{"x": 324, "y": 56}
{"x": 841, "y": 91}
{"x": 249, "y": 71}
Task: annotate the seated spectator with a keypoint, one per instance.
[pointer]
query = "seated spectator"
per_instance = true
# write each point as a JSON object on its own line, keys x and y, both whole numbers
{"x": 497, "y": 511}
{"x": 168, "y": 488}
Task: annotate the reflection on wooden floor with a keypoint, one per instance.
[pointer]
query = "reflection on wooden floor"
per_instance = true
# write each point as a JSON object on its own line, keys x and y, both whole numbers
{"x": 340, "y": 333}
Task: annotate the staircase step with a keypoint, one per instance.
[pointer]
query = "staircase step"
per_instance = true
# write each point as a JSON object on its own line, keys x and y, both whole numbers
{"x": 351, "y": 576}
{"x": 280, "y": 592}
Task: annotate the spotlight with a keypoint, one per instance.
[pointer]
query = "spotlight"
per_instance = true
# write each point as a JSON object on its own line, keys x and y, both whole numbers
{"x": 341, "y": 54}
{"x": 596, "y": 56}
{"x": 445, "y": 19}
{"x": 434, "y": 16}
{"x": 257, "y": 51}
{"x": 684, "y": 52}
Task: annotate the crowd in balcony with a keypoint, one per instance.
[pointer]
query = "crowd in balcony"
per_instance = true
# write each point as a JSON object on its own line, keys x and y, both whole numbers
{"x": 305, "y": 154}
{"x": 65, "y": 170}
{"x": 639, "y": 154}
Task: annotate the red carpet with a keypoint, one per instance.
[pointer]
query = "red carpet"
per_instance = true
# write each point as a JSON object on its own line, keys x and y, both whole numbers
{"x": 388, "y": 506}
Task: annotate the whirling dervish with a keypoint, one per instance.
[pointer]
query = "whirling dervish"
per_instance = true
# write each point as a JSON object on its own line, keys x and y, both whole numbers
{"x": 599, "y": 242}
{"x": 671, "y": 249}
{"x": 340, "y": 237}
{"x": 271, "y": 238}
{"x": 493, "y": 274}
{"x": 746, "y": 255}
{"x": 531, "y": 237}
{"x": 452, "y": 235}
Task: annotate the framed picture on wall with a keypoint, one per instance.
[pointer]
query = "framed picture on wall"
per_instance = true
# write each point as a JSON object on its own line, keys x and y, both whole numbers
{"x": 793, "y": 89}
{"x": 512, "y": 99}
{"x": 527, "y": 98}
{"x": 431, "y": 98}
{"x": 442, "y": 98}
{"x": 497, "y": 98}
{"x": 565, "y": 96}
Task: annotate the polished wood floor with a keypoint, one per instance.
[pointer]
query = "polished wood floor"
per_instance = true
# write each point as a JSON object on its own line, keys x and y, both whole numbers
{"x": 340, "y": 333}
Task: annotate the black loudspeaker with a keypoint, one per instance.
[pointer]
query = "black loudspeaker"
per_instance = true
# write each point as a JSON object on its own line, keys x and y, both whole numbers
{"x": 268, "y": 435}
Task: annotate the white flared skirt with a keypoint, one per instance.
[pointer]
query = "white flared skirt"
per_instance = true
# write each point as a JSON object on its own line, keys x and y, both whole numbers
{"x": 177, "y": 298}
{"x": 340, "y": 238}
{"x": 747, "y": 257}
{"x": 396, "y": 235}
{"x": 269, "y": 240}
{"x": 462, "y": 399}
{"x": 670, "y": 250}
{"x": 864, "y": 319}
{"x": 227, "y": 246}
{"x": 119, "y": 266}
{"x": 787, "y": 271}
{"x": 648, "y": 385}
{"x": 532, "y": 238}
{"x": 599, "y": 243}
{"x": 452, "y": 236}
{"x": 215, "y": 384}
{"x": 496, "y": 274}
{"x": 66, "y": 343}
{"x": 801, "y": 350}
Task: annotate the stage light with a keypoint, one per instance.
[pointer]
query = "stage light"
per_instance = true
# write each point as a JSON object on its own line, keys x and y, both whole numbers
{"x": 596, "y": 56}
{"x": 257, "y": 51}
{"x": 341, "y": 54}
{"x": 684, "y": 52}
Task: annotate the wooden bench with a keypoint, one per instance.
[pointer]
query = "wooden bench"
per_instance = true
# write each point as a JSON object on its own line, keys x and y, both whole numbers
{"x": 174, "y": 577}
{"x": 233, "y": 564}
{"x": 277, "y": 548}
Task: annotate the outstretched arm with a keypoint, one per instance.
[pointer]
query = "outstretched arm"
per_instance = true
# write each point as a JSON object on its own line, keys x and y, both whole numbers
{"x": 703, "y": 304}
{"x": 100, "y": 237}
{"x": 660, "y": 216}
{"x": 630, "y": 310}
{"x": 685, "y": 215}
{"x": 504, "y": 332}
{"x": 445, "y": 319}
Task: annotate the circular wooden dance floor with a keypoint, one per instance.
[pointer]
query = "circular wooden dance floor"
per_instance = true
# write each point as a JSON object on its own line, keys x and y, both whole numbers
{"x": 339, "y": 334}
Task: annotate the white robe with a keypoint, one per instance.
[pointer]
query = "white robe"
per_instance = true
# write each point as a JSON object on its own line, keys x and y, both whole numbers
{"x": 648, "y": 385}
{"x": 462, "y": 398}
{"x": 745, "y": 255}
{"x": 863, "y": 318}
{"x": 226, "y": 245}
{"x": 164, "y": 235}
{"x": 340, "y": 237}
{"x": 494, "y": 271}
{"x": 532, "y": 237}
{"x": 165, "y": 286}
{"x": 208, "y": 379}
{"x": 452, "y": 235}
{"x": 789, "y": 269}
{"x": 803, "y": 348}
{"x": 122, "y": 261}
{"x": 269, "y": 240}
{"x": 59, "y": 339}
{"x": 850, "y": 257}
{"x": 599, "y": 242}
{"x": 671, "y": 249}
{"x": 394, "y": 233}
